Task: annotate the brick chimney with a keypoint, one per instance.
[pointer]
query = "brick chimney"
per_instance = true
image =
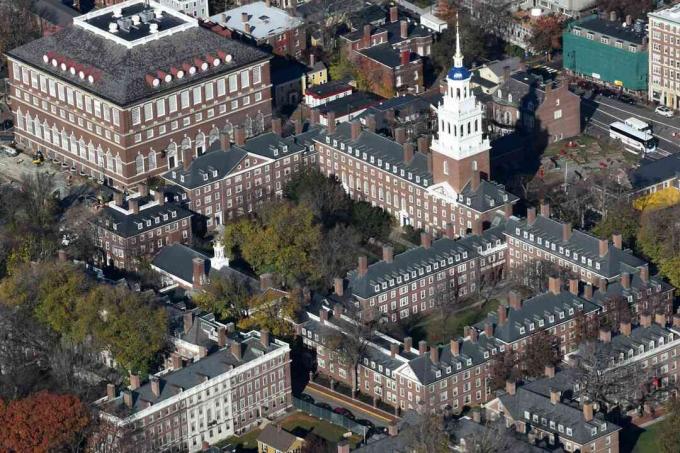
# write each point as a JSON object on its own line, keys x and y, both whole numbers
{"x": 198, "y": 268}
{"x": 239, "y": 136}
{"x": 370, "y": 122}
{"x": 367, "y": 36}
{"x": 422, "y": 347}
{"x": 408, "y": 344}
{"x": 176, "y": 360}
{"x": 573, "y": 286}
{"x": 403, "y": 29}
{"x": 127, "y": 398}
{"x": 510, "y": 387}
{"x": 434, "y": 354}
{"x": 221, "y": 336}
{"x": 394, "y": 349}
{"x": 660, "y": 319}
{"x": 475, "y": 180}
{"x": 502, "y": 314}
{"x": 425, "y": 240}
{"x": 676, "y": 321}
{"x": 423, "y": 144}
{"x": 394, "y": 14}
{"x": 264, "y": 337}
{"x": 602, "y": 286}
{"x": 343, "y": 446}
{"x": 315, "y": 117}
{"x": 188, "y": 321}
{"x": 588, "y": 411}
{"x": 477, "y": 415}
{"x": 244, "y": 17}
{"x": 330, "y": 122}
{"x": 555, "y": 285}
{"x": 617, "y": 240}
{"x": 323, "y": 316}
{"x": 624, "y": 328}
{"x": 110, "y": 391}
{"x": 299, "y": 126}
{"x": 507, "y": 210}
{"x": 605, "y": 335}
{"x": 186, "y": 158}
{"x": 143, "y": 189}
{"x": 225, "y": 141}
{"x": 362, "y": 268}
{"x": 588, "y": 292}
{"x": 266, "y": 281}
{"x": 155, "y": 386}
{"x": 202, "y": 352}
{"x": 566, "y": 232}
{"x": 236, "y": 350}
{"x": 604, "y": 247}
{"x": 337, "y": 310}
{"x": 646, "y": 320}
{"x": 388, "y": 253}
{"x": 554, "y": 395}
{"x": 133, "y": 204}
{"x": 488, "y": 329}
{"x": 408, "y": 152}
{"x": 531, "y": 215}
{"x": 455, "y": 347}
{"x": 159, "y": 196}
{"x": 625, "y": 280}
{"x": 474, "y": 335}
{"x": 449, "y": 233}
{"x": 246, "y": 28}
{"x": 545, "y": 209}
{"x": 400, "y": 135}
{"x": 356, "y": 130}
{"x": 405, "y": 56}
{"x": 277, "y": 127}
{"x": 134, "y": 381}
{"x": 514, "y": 300}
{"x": 477, "y": 227}
{"x": 118, "y": 199}
{"x": 549, "y": 371}
{"x": 644, "y": 273}
{"x": 338, "y": 286}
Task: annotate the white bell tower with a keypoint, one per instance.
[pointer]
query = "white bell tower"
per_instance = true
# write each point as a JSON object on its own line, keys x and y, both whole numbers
{"x": 460, "y": 146}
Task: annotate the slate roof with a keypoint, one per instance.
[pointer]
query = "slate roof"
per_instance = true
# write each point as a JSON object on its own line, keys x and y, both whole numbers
{"x": 265, "y": 21}
{"x": 195, "y": 373}
{"x": 564, "y": 382}
{"x": 122, "y": 222}
{"x": 637, "y": 288}
{"x": 284, "y": 70}
{"x": 177, "y": 259}
{"x": 547, "y": 308}
{"x": 560, "y": 413}
{"x": 393, "y": 29}
{"x": 387, "y": 55}
{"x": 328, "y": 89}
{"x": 218, "y": 164}
{"x": 443, "y": 253}
{"x": 524, "y": 87}
{"x": 121, "y": 71}
{"x": 498, "y": 66}
{"x": 610, "y": 265}
{"x": 610, "y": 28}
{"x": 55, "y": 12}
{"x": 369, "y": 14}
{"x": 472, "y": 353}
{"x": 639, "y": 341}
{"x": 348, "y": 104}
{"x": 654, "y": 172}
{"x": 276, "y": 438}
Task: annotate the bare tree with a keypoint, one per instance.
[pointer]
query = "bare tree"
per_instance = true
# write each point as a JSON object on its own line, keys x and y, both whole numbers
{"x": 18, "y": 25}
{"x": 424, "y": 432}
{"x": 489, "y": 436}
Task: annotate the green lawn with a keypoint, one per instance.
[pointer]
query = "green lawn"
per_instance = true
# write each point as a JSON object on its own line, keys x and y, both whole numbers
{"x": 246, "y": 443}
{"x": 436, "y": 331}
{"x": 646, "y": 443}
{"x": 301, "y": 424}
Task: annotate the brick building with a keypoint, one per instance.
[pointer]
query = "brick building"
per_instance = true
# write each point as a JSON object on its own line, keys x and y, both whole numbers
{"x": 540, "y": 239}
{"x": 390, "y": 55}
{"x": 437, "y": 273}
{"x": 529, "y": 104}
{"x": 135, "y": 227}
{"x": 149, "y": 84}
{"x": 219, "y": 395}
{"x": 555, "y": 311}
{"x": 266, "y": 26}
{"x": 232, "y": 180}
{"x": 664, "y": 80}
{"x": 436, "y": 187}
{"x": 547, "y": 417}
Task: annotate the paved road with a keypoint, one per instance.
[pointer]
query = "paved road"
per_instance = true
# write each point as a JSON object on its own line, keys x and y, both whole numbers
{"x": 603, "y": 111}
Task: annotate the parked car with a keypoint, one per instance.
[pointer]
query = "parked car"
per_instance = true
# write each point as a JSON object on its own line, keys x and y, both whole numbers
{"x": 627, "y": 99}
{"x": 608, "y": 93}
{"x": 664, "y": 111}
{"x": 345, "y": 412}
{"x": 306, "y": 398}
{"x": 367, "y": 423}
{"x": 324, "y": 406}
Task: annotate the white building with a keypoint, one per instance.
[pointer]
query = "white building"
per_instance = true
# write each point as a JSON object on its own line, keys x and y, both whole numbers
{"x": 664, "y": 56}
{"x": 194, "y": 8}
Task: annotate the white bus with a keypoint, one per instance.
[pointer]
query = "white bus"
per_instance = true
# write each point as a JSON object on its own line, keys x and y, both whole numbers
{"x": 641, "y": 142}
{"x": 639, "y": 125}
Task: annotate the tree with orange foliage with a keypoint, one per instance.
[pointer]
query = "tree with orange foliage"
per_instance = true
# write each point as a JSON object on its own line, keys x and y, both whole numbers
{"x": 547, "y": 34}
{"x": 42, "y": 422}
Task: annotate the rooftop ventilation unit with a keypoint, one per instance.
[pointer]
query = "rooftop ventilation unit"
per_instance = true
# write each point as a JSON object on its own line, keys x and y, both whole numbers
{"x": 113, "y": 27}
{"x": 118, "y": 12}
{"x": 147, "y": 16}
{"x": 124, "y": 24}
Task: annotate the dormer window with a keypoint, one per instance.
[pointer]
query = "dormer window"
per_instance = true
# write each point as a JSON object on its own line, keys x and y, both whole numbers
{"x": 148, "y": 222}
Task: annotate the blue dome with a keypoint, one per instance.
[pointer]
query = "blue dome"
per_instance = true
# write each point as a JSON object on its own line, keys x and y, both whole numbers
{"x": 459, "y": 73}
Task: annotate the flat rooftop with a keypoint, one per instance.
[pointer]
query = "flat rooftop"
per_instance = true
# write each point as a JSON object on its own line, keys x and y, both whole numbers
{"x": 671, "y": 14}
{"x": 614, "y": 29}
{"x": 262, "y": 21}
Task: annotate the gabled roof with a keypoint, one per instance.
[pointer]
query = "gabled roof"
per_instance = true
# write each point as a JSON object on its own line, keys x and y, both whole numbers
{"x": 586, "y": 246}
{"x": 176, "y": 260}
{"x": 387, "y": 55}
{"x": 655, "y": 172}
{"x": 211, "y": 166}
{"x": 277, "y": 438}
{"x": 151, "y": 215}
{"x": 264, "y": 21}
{"x": 349, "y": 104}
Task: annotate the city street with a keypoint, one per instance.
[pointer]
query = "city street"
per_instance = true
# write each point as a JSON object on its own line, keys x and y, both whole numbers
{"x": 601, "y": 112}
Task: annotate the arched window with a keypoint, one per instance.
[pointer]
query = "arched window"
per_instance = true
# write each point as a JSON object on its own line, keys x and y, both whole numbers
{"x": 474, "y": 165}
{"x": 200, "y": 143}
{"x": 139, "y": 164}
{"x": 259, "y": 123}
{"x": 100, "y": 157}
{"x": 152, "y": 160}
{"x": 213, "y": 136}
{"x": 461, "y": 130}
{"x": 29, "y": 124}
{"x": 109, "y": 161}
{"x": 55, "y": 135}
{"x": 186, "y": 143}
{"x": 20, "y": 120}
{"x": 171, "y": 152}
{"x": 47, "y": 136}
{"x": 74, "y": 145}
{"x": 248, "y": 125}
{"x": 457, "y": 93}
{"x": 446, "y": 167}
{"x": 64, "y": 140}
{"x": 38, "y": 128}
{"x": 468, "y": 128}
{"x": 119, "y": 165}
{"x": 229, "y": 130}
{"x": 92, "y": 156}
{"x": 476, "y": 125}
{"x": 82, "y": 149}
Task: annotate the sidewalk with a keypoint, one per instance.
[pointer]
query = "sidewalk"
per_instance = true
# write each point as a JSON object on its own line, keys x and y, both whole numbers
{"x": 359, "y": 408}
